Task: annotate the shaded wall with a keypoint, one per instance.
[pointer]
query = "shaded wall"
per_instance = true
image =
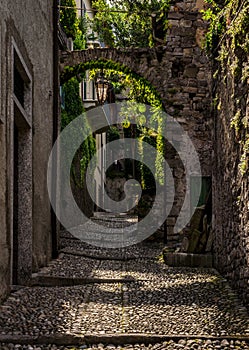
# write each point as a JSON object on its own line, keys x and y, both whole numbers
{"x": 231, "y": 179}
{"x": 25, "y": 235}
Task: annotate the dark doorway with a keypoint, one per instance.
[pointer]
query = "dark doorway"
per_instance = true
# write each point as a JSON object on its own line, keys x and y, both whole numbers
{"x": 21, "y": 179}
{"x": 15, "y": 208}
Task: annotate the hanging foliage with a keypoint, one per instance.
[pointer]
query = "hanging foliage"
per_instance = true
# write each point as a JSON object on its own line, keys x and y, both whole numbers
{"x": 228, "y": 43}
{"x": 138, "y": 90}
{"x": 73, "y": 109}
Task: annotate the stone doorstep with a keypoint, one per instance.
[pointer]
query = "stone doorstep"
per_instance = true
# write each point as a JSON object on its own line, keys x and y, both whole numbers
{"x": 188, "y": 259}
{"x": 115, "y": 339}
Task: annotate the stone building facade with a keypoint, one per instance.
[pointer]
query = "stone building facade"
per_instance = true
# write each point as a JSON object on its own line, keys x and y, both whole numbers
{"x": 26, "y": 136}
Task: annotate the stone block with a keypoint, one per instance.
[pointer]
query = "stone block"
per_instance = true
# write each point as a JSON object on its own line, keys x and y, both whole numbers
{"x": 200, "y": 4}
{"x": 190, "y": 17}
{"x": 173, "y": 23}
{"x": 175, "y": 15}
{"x": 183, "y": 32}
{"x": 185, "y": 23}
{"x": 190, "y": 89}
{"x": 197, "y": 218}
{"x": 188, "y": 260}
{"x": 184, "y": 245}
{"x": 188, "y": 52}
{"x": 210, "y": 241}
{"x": 171, "y": 221}
{"x": 193, "y": 241}
{"x": 170, "y": 231}
{"x": 191, "y": 72}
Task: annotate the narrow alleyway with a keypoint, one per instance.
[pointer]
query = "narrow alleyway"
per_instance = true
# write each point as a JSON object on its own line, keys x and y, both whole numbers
{"x": 93, "y": 298}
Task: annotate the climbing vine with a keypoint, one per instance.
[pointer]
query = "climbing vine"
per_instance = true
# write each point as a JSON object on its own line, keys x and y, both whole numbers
{"x": 73, "y": 107}
{"x": 228, "y": 43}
{"x": 76, "y": 28}
{"x": 73, "y": 26}
{"x": 139, "y": 90}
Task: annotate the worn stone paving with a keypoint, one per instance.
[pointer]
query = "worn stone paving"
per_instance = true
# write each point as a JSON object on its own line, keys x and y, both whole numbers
{"x": 196, "y": 344}
{"x": 152, "y": 298}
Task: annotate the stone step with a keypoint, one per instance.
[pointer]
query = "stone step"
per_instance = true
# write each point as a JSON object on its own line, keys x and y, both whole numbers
{"x": 115, "y": 339}
{"x": 52, "y": 281}
{"x": 114, "y": 220}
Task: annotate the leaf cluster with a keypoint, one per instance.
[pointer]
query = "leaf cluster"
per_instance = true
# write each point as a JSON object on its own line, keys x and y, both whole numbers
{"x": 74, "y": 108}
{"x": 74, "y": 27}
{"x": 129, "y": 23}
{"x": 228, "y": 43}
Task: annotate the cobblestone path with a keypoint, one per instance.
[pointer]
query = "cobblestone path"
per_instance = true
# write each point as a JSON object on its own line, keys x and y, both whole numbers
{"x": 92, "y": 298}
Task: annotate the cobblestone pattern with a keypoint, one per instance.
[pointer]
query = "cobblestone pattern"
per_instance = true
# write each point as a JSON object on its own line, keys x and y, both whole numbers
{"x": 74, "y": 246}
{"x": 169, "y": 345}
{"x": 161, "y": 300}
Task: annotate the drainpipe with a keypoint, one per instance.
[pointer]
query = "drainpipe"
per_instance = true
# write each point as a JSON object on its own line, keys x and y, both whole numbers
{"x": 54, "y": 222}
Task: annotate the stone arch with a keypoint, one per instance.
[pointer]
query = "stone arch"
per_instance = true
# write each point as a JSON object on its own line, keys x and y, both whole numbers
{"x": 141, "y": 63}
{"x": 130, "y": 63}
{"x": 179, "y": 70}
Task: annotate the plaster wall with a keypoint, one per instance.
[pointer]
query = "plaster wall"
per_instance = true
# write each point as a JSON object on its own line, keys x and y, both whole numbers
{"x": 27, "y": 27}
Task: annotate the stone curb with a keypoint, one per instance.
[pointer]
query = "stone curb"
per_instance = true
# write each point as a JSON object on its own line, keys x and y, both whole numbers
{"x": 115, "y": 339}
{"x": 188, "y": 260}
{"x": 52, "y": 281}
{"x": 120, "y": 339}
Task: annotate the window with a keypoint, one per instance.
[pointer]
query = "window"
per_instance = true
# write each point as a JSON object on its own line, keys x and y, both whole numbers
{"x": 18, "y": 86}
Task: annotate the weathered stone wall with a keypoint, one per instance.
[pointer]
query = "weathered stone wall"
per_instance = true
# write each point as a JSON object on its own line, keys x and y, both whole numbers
{"x": 231, "y": 178}
{"x": 27, "y": 26}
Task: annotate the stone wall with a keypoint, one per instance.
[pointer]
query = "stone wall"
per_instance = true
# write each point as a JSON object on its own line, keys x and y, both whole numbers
{"x": 231, "y": 177}
{"x": 26, "y": 42}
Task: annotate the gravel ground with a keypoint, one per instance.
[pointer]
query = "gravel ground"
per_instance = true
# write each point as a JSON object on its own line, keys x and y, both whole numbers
{"x": 157, "y": 300}
{"x": 104, "y": 311}
{"x": 71, "y": 266}
{"x": 110, "y": 269}
{"x": 70, "y": 244}
{"x": 181, "y": 307}
{"x": 43, "y": 311}
{"x": 181, "y": 301}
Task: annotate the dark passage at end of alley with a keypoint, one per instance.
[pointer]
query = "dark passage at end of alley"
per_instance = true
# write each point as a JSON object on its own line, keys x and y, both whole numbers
{"x": 98, "y": 298}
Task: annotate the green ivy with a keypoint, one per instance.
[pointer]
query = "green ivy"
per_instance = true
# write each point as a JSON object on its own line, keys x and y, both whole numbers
{"x": 74, "y": 108}
{"x": 140, "y": 87}
{"x": 228, "y": 43}
{"x": 139, "y": 90}
{"x": 74, "y": 27}
{"x": 113, "y": 134}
